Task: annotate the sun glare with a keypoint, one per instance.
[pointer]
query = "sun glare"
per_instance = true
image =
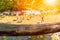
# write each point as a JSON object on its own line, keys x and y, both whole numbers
{"x": 50, "y": 2}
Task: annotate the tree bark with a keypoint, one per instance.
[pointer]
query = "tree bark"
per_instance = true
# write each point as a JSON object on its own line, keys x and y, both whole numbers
{"x": 28, "y": 29}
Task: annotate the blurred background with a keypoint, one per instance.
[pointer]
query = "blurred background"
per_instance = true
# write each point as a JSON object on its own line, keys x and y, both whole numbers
{"x": 10, "y": 9}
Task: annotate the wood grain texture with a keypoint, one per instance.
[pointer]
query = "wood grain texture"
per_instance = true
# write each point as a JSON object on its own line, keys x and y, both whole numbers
{"x": 28, "y": 29}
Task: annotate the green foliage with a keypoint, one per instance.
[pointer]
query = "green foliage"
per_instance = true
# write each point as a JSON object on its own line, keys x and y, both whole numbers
{"x": 38, "y": 37}
{"x": 6, "y": 5}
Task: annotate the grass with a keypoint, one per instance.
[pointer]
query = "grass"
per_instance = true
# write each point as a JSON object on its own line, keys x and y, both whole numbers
{"x": 34, "y": 20}
{"x": 13, "y": 20}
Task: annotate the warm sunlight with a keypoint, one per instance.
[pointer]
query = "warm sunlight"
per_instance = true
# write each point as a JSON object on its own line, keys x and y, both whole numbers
{"x": 50, "y": 2}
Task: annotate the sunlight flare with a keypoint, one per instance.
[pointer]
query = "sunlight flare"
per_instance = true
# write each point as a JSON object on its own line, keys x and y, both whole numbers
{"x": 50, "y": 2}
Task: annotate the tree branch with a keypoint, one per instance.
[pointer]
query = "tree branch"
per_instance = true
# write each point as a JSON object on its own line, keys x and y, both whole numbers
{"x": 28, "y": 29}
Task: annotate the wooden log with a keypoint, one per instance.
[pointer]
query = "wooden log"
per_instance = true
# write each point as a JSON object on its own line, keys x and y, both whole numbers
{"x": 28, "y": 29}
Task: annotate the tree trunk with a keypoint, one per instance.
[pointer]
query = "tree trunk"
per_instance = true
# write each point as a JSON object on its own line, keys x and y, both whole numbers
{"x": 28, "y": 29}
